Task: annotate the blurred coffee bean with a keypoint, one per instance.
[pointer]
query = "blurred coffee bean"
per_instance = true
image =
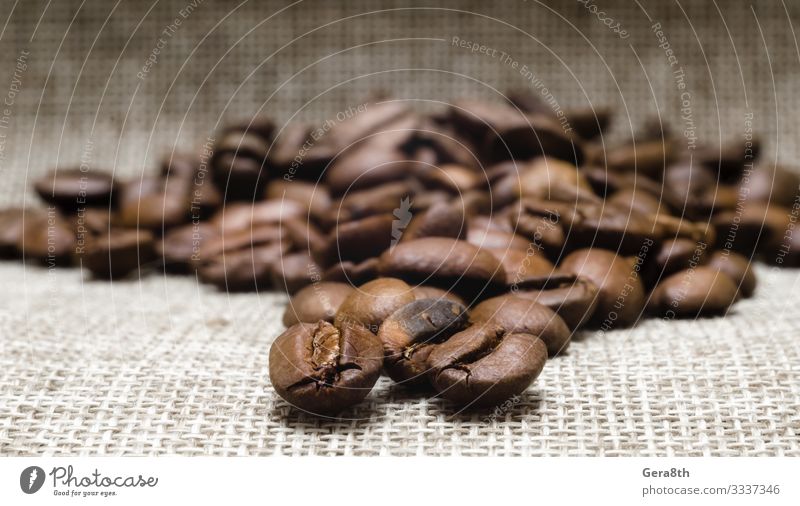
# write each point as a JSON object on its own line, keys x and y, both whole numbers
{"x": 648, "y": 158}
{"x": 242, "y": 270}
{"x": 692, "y": 293}
{"x": 314, "y": 197}
{"x": 322, "y": 369}
{"x": 434, "y": 292}
{"x": 47, "y": 238}
{"x": 358, "y": 240}
{"x": 773, "y": 184}
{"x": 490, "y": 238}
{"x": 11, "y": 223}
{"x": 181, "y": 246}
{"x": 484, "y": 365}
{"x": 293, "y": 272}
{"x": 515, "y": 314}
{"x": 72, "y": 189}
{"x": 241, "y": 216}
{"x": 154, "y": 212}
{"x": 239, "y": 161}
{"x": 443, "y": 262}
{"x": 352, "y": 273}
{"x": 671, "y": 256}
{"x": 315, "y": 302}
{"x": 728, "y": 161}
{"x": 452, "y": 178}
{"x": 621, "y": 296}
{"x": 371, "y": 303}
{"x": 411, "y": 332}
{"x": 442, "y": 219}
{"x": 118, "y": 253}
{"x": 589, "y": 122}
{"x": 738, "y": 268}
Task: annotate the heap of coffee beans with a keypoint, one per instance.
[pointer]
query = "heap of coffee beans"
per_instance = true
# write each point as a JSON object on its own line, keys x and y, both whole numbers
{"x": 454, "y": 251}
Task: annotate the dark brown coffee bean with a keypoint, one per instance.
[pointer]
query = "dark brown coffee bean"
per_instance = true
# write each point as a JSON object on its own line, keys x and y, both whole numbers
{"x": 381, "y": 199}
{"x": 366, "y": 120}
{"x": 241, "y": 216}
{"x": 773, "y": 184}
{"x": 321, "y": 369}
{"x": 238, "y": 163}
{"x": 118, "y": 253}
{"x": 621, "y": 296}
{"x": 523, "y": 266}
{"x": 589, "y": 122}
{"x": 448, "y": 263}
{"x": 366, "y": 166}
{"x": 689, "y": 181}
{"x": 756, "y": 226}
{"x": 542, "y": 177}
{"x": 180, "y": 248}
{"x": 73, "y": 189}
{"x": 11, "y": 222}
{"x": 358, "y": 240}
{"x": 517, "y": 315}
{"x": 135, "y": 190}
{"x": 493, "y": 239}
{"x": 373, "y": 302}
{"x": 294, "y": 271}
{"x": 433, "y": 292}
{"x": 315, "y": 302}
{"x": 728, "y": 160}
{"x": 242, "y": 270}
{"x": 352, "y": 273}
{"x": 738, "y": 268}
{"x": 442, "y": 219}
{"x": 412, "y": 332}
{"x": 47, "y": 238}
{"x": 305, "y": 236}
{"x": 154, "y": 212}
{"x": 649, "y": 158}
{"x": 484, "y": 365}
{"x": 314, "y": 197}
{"x": 691, "y": 293}
{"x": 573, "y": 300}
{"x": 674, "y": 255}
{"x": 455, "y": 179}
{"x": 182, "y": 166}
{"x": 536, "y": 135}
{"x": 541, "y": 226}
{"x": 638, "y": 201}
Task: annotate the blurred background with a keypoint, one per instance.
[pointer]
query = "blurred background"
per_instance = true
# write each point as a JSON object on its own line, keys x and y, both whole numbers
{"x": 119, "y": 83}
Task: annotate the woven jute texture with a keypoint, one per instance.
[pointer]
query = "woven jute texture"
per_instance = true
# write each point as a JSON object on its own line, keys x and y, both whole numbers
{"x": 163, "y": 365}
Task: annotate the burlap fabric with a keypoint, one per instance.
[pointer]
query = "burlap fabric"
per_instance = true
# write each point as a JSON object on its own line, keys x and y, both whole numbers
{"x": 167, "y": 366}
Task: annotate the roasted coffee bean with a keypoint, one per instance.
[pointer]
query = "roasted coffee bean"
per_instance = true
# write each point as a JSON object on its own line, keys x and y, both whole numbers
{"x": 11, "y": 223}
{"x": 649, "y": 158}
{"x": 412, "y": 332}
{"x": 322, "y": 369}
{"x": 240, "y": 216}
{"x": 242, "y": 270}
{"x": 366, "y": 120}
{"x": 314, "y": 197}
{"x": 484, "y": 365}
{"x": 455, "y": 179}
{"x": 674, "y": 255}
{"x": 370, "y": 202}
{"x": 48, "y": 238}
{"x": 756, "y": 227}
{"x": 518, "y": 315}
{"x": 493, "y": 239}
{"x": 621, "y": 296}
{"x": 433, "y": 292}
{"x": 154, "y": 212}
{"x": 773, "y": 184}
{"x": 352, "y": 273}
{"x": 358, "y": 240}
{"x": 118, "y": 253}
{"x": 589, "y": 122}
{"x": 293, "y": 272}
{"x": 523, "y": 266}
{"x": 305, "y": 236}
{"x": 315, "y": 302}
{"x": 737, "y": 267}
{"x": 702, "y": 291}
{"x": 448, "y": 263}
{"x": 238, "y": 163}
{"x": 638, "y": 201}
{"x": 442, "y": 219}
{"x": 181, "y": 246}
{"x": 366, "y": 167}
{"x": 73, "y": 189}
{"x": 543, "y": 177}
{"x": 371, "y": 303}
{"x": 574, "y": 300}
{"x": 728, "y": 160}
{"x": 182, "y": 166}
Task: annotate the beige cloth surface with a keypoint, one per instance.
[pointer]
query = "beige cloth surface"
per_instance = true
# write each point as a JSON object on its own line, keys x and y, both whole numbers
{"x": 167, "y": 366}
{"x": 164, "y": 366}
